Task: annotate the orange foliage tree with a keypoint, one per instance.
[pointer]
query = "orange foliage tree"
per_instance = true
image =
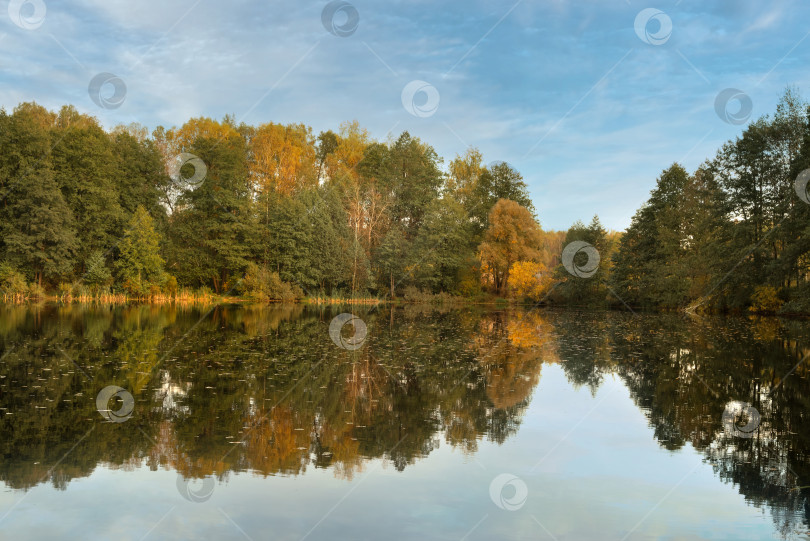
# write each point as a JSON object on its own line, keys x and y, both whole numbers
{"x": 528, "y": 279}
{"x": 513, "y": 235}
{"x": 282, "y": 158}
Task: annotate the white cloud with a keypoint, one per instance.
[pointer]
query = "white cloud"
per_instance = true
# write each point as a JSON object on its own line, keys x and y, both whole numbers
{"x": 182, "y": 60}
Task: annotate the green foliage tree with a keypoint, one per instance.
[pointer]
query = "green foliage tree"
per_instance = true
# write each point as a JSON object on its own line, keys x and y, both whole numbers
{"x": 139, "y": 264}
{"x": 412, "y": 180}
{"x": 591, "y": 289}
{"x": 98, "y": 273}
{"x": 331, "y": 239}
{"x": 84, "y": 164}
{"x": 442, "y": 247}
{"x": 214, "y": 227}
{"x": 341, "y": 212}
{"x": 392, "y": 257}
{"x": 36, "y": 225}
{"x": 141, "y": 178}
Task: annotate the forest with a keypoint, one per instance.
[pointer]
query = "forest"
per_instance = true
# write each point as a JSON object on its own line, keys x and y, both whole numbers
{"x": 275, "y": 212}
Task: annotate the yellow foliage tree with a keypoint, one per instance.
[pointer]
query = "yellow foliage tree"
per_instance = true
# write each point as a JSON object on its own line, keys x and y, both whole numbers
{"x": 765, "y": 299}
{"x": 528, "y": 279}
{"x": 181, "y": 139}
{"x": 283, "y": 158}
{"x": 464, "y": 173}
{"x": 513, "y": 235}
{"x": 352, "y": 143}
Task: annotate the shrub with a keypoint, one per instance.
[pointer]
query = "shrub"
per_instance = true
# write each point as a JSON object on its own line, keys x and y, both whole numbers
{"x": 79, "y": 290}
{"x": 262, "y": 284}
{"x": 470, "y": 287}
{"x": 35, "y": 291}
{"x": 65, "y": 290}
{"x": 799, "y": 301}
{"x": 170, "y": 287}
{"x": 412, "y": 294}
{"x": 142, "y": 289}
{"x": 443, "y": 298}
{"x": 155, "y": 290}
{"x": 204, "y": 291}
{"x": 528, "y": 279}
{"x": 12, "y": 282}
{"x": 765, "y": 299}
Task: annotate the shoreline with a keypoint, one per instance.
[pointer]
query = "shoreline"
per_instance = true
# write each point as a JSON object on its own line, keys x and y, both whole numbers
{"x": 440, "y": 300}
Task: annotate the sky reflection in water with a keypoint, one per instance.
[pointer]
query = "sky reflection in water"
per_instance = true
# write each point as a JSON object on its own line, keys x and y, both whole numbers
{"x": 250, "y": 422}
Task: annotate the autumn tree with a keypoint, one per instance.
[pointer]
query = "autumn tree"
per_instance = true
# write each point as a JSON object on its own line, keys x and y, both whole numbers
{"x": 282, "y": 158}
{"x": 513, "y": 235}
{"x": 464, "y": 174}
{"x": 529, "y": 279}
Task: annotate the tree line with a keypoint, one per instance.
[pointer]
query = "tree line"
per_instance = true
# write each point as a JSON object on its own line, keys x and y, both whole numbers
{"x": 271, "y": 211}
{"x": 276, "y": 212}
{"x": 731, "y": 236}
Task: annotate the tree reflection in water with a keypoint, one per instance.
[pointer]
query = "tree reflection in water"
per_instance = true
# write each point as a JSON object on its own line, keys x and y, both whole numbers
{"x": 264, "y": 389}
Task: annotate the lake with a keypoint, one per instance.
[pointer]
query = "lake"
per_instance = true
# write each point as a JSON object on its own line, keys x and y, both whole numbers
{"x": 293, "y": 422}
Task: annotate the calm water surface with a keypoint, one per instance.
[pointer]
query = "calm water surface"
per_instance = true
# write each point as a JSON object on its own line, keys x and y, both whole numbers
{"x": 256, "y": 423}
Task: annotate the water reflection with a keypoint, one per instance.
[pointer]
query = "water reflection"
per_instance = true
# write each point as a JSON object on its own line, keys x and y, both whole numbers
{"x": 267, "y": 390}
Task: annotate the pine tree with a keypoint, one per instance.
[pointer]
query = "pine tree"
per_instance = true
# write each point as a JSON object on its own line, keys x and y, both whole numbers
{"x": 649, "y": 265}
{"x": 590, "y": 289}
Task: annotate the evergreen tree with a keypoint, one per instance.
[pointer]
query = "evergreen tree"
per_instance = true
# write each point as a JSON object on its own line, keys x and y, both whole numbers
{"x": 215, "y": 228}
{"x": 591, "y": 289}
{"x": 392, "y": 257}
{"x": 139, "y": 264}
{"x": 97, "y": 274}
{"x": 331, "y": 238}
{"x": 649, "y": 264}
{"x": 291, "y": 241}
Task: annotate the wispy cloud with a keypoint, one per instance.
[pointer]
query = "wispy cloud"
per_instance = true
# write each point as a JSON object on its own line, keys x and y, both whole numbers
{"x": 506, "y": 73}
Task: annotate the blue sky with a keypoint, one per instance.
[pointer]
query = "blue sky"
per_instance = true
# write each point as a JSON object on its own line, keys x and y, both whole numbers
{"x": 567, "y": 92}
